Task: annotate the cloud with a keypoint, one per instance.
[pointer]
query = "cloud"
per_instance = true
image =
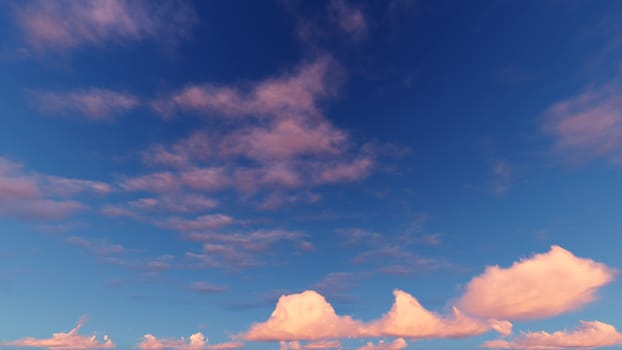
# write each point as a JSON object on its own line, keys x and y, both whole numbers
{"x": 207, "y": 288}
{"x": 93, "y": 104}
{"x": 397, "y": 344}
{"x": 287, "y": 96}
{"x": 204, "y": 222}
{"x": 63, "y": 341}
{"x": 304, "y": 316}
{"x": 240, "y": 250}
{"x": 588, "y": 335}
{"x": 502, "y": 176}
{"x": 232, "y": 345}
{"x": 588, "y": 125}
{"x": 544, "y": 285}
{"x": 314, "y": 345}
{"x": 61, "y": 25}
{"x": 308, "y": 316}
{"x": 409, "y": 319}
{"x": 98, "y": 247}
{"x": 196, "y": 341}
{"x": 349, "y": 19}
{"x": 34, "y": 197}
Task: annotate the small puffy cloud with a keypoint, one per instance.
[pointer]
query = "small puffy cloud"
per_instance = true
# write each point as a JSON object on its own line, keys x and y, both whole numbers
{"x": 351, "y": 20}
{"x": 397, "y": 344}
{"x": 409, "y": 319}
{"x": 304, "y": 316}
{"x": 588, "y": 335}
{"x": 542, "y": 286}
{"x": 61, "y": 25}
{"x": 196, "y": 341}
{"x": 93, "y": 104}
{"x": 588, "y": 125}
{"x": 63, "y": 341}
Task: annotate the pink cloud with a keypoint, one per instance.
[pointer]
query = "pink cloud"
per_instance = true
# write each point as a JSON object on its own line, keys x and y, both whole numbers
{"x": 240, "y": 250}
{"x": 314, "y": 345}
{"x": 345, "y": 171}
{"x": 588, "y": 335}
{"x": 397, "y": 344}
{"x": 63, "y": 341}
{"x": 98, "y": 247}
{"x": 93, "y": 104}
{"x": 65, "y": 186}
{"x": 176, "y": 203}
{"x": 409, "y": 319}
{"x": 287, "y": 96}
{"x": 350, "y": 20}
{"x": 304, "y": 316}
{"x": 62, "y": 25}
{"x": 156, "y": 182}
{"x": 232, "y": 345}
{"x": 207, "y": 288}
{"x": 204, "y": 222}
{"x": 285, "y": 139}
{"x": 308, "y": 316}
{"x": 542, "y": 286}
{"x": 196, "y": 341}
{"x": 588, "y": 125}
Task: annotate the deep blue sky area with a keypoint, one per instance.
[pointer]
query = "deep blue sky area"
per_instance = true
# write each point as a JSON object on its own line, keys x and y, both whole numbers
{"x": 304, "y": 175}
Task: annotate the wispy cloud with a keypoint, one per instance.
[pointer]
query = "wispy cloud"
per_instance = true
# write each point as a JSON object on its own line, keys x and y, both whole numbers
{"x": 93, "y": 104}
{"x": 588, "y": 335}
{"x": 207, "y": 288}
{"x": 349, "y": 19}
{"x": 544, "y": 285}
{"x": 61, "y": 25}
{"x": 63, "y": 341}
{"x": 588, "y": 125}
{"x": 33, "y": 197}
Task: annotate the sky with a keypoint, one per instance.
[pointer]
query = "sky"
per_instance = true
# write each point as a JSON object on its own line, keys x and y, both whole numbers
{"x": 307, "y": 175}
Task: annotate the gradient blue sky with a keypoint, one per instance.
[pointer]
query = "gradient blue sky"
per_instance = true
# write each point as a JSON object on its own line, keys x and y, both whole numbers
{"x": 169, "y": 168}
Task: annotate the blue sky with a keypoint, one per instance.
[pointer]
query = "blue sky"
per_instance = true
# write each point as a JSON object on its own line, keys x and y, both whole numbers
{"x": 310, "y": 175}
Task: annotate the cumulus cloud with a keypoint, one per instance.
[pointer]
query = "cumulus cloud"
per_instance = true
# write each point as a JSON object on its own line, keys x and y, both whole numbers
{"x": 63, "y": 341}
{"x": 409, "y": 319}
{"x": 588, "y": 125}
{"x": 93, "y": 104}
{"x": 304, "y": 316}
{"x": 397, "y": 344}
{"x": 543, "y": 285}
{"x": 196, "y": 341}
{"x": 61, "y": 25}
{"x": 588, "y": 335}
{"x": 308, "y": 316}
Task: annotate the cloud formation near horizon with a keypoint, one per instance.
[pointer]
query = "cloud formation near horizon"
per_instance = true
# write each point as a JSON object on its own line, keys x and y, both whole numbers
{"x": 588, "y": 335}
{"x": 308, "y": 316}
{"x": 541, "y": 286}
{"x": 63, "y": 341}
{"x": 197, "y": 341}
